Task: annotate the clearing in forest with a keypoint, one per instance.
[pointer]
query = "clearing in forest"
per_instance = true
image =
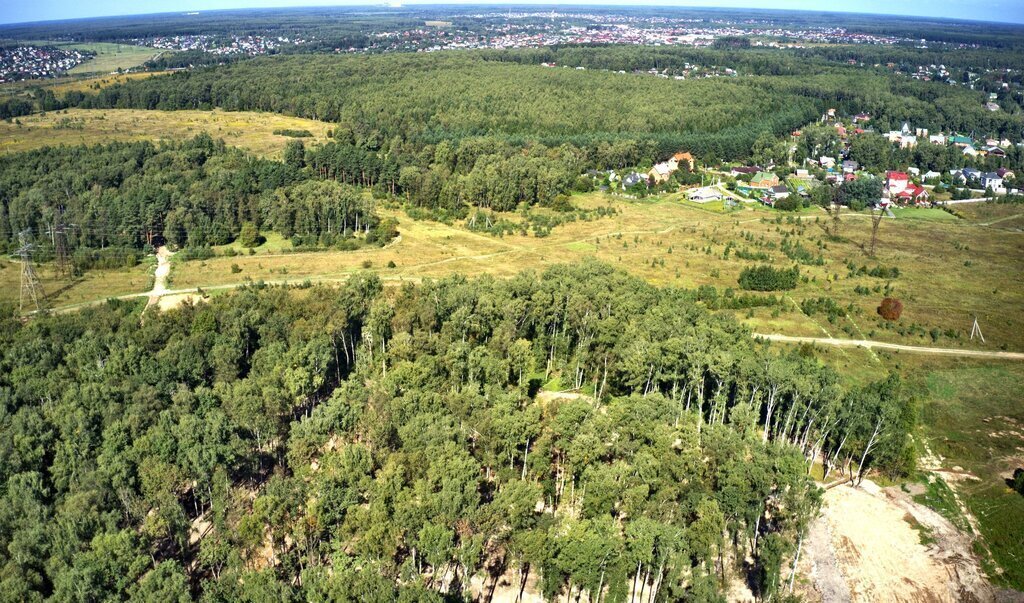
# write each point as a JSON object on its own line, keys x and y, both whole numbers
{"x": 248, "y": 130}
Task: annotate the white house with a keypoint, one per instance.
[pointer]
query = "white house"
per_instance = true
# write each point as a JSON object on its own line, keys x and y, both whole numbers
{"x": 705, "y": 194}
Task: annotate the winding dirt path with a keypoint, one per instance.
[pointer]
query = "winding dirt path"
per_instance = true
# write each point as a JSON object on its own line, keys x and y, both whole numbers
{"x": 869, "y": 344}
{"x": 163, "y": 270}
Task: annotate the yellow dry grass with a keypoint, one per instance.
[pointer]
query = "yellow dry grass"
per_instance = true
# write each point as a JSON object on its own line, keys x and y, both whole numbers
{"x": 249, "y": 130}
{"x": 950, "y": 271}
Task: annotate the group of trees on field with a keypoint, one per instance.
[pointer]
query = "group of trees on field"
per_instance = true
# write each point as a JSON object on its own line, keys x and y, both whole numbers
{"x": 360, "y": 444}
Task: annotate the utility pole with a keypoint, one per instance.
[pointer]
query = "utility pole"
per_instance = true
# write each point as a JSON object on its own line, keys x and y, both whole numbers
{"x": 876, "y": 221}
{"x": 31, "y": 290}
{"x": 976, "y": 330}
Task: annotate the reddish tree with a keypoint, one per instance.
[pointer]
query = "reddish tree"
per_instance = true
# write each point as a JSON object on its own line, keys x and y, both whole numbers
{"x": 891, "y": 308}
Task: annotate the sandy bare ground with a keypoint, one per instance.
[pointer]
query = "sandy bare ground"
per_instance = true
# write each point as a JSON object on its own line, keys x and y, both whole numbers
{"x": 163, "y": 270}
{"x": 869, "y": 344}
{"x": 864, "y": 547}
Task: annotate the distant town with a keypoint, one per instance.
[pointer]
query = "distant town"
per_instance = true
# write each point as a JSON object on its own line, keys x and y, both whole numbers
{"x": 38, "y": 62}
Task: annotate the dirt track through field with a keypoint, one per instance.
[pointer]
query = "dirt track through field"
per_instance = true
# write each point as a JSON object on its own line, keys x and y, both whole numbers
{"x": 869, "y": 344}
{"x": 163, "y": 270}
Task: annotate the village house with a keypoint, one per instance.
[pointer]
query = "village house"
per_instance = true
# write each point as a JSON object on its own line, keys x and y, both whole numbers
{"x": 937, "y": 139}
{"x": 632, "y": 179}
{"x": 991, "y": 180}
{"x": 777, "y": 192}
{"x": 736, "y": 172}
{"x": 764, "y": 180}
{"x": 679, "y": 158}
{"x": 660, "y": 172}
{"x": 960, "y": 140}
{"x": 1005, "y": 173}
{"x": 704, "y": 194}
{"x": 932, "y": 175}
{"x": 902, "y": 190}
{"x": 850, "y": 166}
{"x": 965, "y": 175}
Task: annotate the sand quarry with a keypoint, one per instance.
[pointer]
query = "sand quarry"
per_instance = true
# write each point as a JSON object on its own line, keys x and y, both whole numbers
{"x": 866, "y": 546}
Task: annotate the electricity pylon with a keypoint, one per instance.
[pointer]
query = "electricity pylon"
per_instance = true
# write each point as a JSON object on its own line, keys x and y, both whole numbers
{"x": 31, "y": 289}
{"x": 62, "y": 253}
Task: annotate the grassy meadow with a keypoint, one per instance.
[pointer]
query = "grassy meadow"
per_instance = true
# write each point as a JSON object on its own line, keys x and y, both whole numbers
{"x": 251, "y": 131}
{"x": 950, "y": 269}
{"x": 974, "y": 422}
{"x": 94, "y": 285}
{"x": 111, "y": 57}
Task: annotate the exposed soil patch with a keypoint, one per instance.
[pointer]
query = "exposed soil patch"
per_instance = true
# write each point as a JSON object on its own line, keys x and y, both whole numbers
{"x": 867, "y": 546}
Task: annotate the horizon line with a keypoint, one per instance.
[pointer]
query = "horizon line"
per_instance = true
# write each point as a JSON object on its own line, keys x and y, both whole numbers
{"x": 522, "y": 3}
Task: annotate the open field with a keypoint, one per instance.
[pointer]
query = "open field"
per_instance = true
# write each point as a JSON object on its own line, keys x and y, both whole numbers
{"x": 81, "y": 83}
{"x": 94, "y": 285}
{"x": 950, "y": 270}
{"x": 111, "y": 57}
{"x": 974, "y": 423}
{"x": 248, "y": 130}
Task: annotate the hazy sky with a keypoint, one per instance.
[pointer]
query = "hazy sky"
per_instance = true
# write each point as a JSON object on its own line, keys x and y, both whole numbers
{"x": 15, "y": 11}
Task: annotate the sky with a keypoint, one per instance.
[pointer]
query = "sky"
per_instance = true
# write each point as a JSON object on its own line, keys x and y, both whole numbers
{"x": 19, "y": 11}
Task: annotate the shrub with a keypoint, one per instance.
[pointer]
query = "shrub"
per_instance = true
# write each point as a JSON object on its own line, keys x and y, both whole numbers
{"x": 890, "y": 309}
{"x": 295, "y": 133}
{"x": 766, "y": 278}
{"x": 235, "y": 269}
{"x": 249, "y": 236}
{"x": 190, "y": 252}
{"x": 790, "y": 203}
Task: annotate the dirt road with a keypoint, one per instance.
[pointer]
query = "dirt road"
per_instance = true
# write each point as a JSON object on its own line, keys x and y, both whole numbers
{"x": 163, "y": 270}
{"x": 869, "y": 344}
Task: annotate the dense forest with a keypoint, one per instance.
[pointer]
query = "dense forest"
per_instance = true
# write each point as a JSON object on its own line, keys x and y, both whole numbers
{"x": 427, "y": 99}
{"x": 378, "y": 445}
{"x": 114, "y": 200}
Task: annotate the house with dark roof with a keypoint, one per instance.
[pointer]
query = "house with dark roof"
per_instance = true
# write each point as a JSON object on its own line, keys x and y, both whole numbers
{"x": 632, "y": 179}
{"x": 991, "y": 180}
{"x": 746, "y": 170}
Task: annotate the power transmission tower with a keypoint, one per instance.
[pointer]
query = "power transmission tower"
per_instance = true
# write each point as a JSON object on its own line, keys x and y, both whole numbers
{"x": 31, "y": 290}
{"x": 59, "y": 236}
{"x": 976, "y": 330}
